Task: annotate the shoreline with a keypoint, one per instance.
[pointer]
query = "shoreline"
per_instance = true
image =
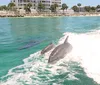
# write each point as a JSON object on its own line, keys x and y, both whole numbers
{"x": 42, "y": 16}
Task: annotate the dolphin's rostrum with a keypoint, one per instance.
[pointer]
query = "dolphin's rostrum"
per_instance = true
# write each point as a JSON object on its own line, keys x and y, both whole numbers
{"x": 60, "y": 51}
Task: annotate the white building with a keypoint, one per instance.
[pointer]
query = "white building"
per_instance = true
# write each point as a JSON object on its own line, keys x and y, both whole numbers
{"x": 20, "y": 4}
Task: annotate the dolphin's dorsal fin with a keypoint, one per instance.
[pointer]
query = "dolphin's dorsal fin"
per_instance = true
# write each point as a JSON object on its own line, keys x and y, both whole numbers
{"x": 66, "y": 39}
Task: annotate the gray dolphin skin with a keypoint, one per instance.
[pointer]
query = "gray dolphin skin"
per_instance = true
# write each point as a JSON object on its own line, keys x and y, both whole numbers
{"x": 48, "y": 48}
{"x": 30, "y": 44}
{"x": 60, "y": 51}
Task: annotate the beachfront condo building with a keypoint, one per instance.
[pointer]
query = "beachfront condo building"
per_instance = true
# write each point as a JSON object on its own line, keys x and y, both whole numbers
{"x": 20, "y": 4}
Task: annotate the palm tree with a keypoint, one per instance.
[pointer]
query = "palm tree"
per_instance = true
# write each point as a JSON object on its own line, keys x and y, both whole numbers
{"x": 11, "y": 6}
{"x": 75, "y": 8}
{"x": 52, "y": 8}
{"x": 28, "y": 7}
{"x": 55, "y": 7}
{"x": 64, "y": 6}
{"x": 41, "y": 6}
{"x": 79, "y": 5}
{"x": 98, "y": 7}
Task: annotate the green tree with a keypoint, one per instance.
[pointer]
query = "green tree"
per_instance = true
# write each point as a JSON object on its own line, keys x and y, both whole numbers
{"x": 79, "y": 5}
{"x": 11, "y": 6}
{"x": 41, "y": 7}
{"x": 25, "y": 0}
{"x": 98, "y": 6}
{"x": 29, "y": 5}
{"x": 27, "y": 8}
{"x": 52, "y": 8}
{"x": 75, "y": 8}
{"x": 93, "y": 9}
{"x": 55, "y": 7}
{"x": 4, "y": 7}
{"x": 64, "y": 6}
{"x": 87, "y": 8}
{"x": 1, "y": 8}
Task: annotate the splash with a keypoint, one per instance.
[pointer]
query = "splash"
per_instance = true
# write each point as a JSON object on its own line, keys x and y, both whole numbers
{"x": 37, "y": 71}
{"x": 86, "y": 50}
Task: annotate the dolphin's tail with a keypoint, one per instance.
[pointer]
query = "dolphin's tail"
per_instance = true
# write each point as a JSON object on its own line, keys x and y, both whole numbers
{"x": 66, "y": 39}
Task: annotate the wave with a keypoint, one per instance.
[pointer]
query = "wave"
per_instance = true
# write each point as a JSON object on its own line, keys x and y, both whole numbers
{"x": 37, "y": 71}
{"x": 86, "y": 50}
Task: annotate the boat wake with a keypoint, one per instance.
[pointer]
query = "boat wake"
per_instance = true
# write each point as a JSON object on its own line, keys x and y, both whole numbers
{"x": 83, "y": 59}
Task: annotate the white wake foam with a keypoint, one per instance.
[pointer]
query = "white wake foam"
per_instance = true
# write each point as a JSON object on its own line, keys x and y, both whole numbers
{"x": 86, "y": 50}
{"x": 37, "y": 71}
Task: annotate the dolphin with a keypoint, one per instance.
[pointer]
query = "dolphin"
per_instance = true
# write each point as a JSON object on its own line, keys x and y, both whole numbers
{"x": 30, "y": 44}
{"x": 60, "y": 51}
{"x": 48, "y": 48}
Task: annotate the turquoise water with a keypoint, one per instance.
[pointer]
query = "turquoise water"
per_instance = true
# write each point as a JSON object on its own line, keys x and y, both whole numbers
{"x": 15, "y": 33}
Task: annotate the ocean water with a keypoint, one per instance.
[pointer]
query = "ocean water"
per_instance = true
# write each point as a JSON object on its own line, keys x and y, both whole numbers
{"x": 22, "y": 39}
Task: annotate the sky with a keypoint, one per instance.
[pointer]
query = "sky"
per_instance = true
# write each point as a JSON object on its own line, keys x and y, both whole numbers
{"x": 70, "y": 3}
